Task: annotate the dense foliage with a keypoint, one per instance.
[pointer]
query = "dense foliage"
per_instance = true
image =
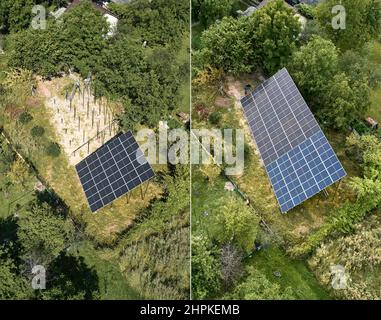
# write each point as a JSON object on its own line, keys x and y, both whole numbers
{"x": 362, "y": 22}
{"x": 266, "y": 39}
{"x": 337, "y": 96}
{"x": 138, "y": 66}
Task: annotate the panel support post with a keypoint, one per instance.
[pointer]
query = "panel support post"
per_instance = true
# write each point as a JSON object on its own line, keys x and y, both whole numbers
{"x": 145, "y": 191}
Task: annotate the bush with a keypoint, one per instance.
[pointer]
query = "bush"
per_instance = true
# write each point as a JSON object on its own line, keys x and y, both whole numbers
{"x": 37, "y": 131}
{"x": 214, "y": 118}
{"x": 306, "y": 10}
{"x": 53, "y": 149}
{"x": 25, "y": 117}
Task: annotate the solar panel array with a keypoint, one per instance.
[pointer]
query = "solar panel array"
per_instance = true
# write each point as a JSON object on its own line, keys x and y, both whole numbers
{"x": 113, "y": 170}
{"x": 298, "y": 157}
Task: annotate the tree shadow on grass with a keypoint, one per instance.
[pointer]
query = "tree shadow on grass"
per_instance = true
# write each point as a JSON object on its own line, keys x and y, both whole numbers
{"x": 71, "y": 278}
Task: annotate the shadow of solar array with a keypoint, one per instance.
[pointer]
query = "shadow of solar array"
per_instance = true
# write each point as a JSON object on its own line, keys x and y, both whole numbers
{"x": 298, "y": 157}
{"x": 113, "y": 170}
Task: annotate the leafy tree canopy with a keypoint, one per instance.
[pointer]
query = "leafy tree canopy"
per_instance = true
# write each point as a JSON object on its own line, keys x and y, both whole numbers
{"x": 258, "y": 287}
{"x": 205, "y": 268}
{"x": 362, "y": 22}
{"x": 42, "y": 233}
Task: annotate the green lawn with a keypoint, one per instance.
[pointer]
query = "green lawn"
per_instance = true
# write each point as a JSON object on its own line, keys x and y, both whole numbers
{"x": 293, "y": 273}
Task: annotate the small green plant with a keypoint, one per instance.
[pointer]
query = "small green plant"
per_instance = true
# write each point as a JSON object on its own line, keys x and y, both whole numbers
{"x": 25, "y": 118}
{"x": 37, "y": 131}
{"x": 214, "y": 118}
{"x": 53, "y": 149}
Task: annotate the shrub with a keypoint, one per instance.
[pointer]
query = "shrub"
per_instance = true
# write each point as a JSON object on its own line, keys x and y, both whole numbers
{"x": 25, "y": 117}
{"x": 214, "y": 118}
{"x": 53, "y": 149}
{"x": 306, "y": 10}
{"x": 37, "y": 131}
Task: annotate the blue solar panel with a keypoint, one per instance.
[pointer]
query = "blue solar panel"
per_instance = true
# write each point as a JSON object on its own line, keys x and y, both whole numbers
{"x": 113, "y": 170}
{"x": 298, "y": 157}
{"x": 304, "y": 171}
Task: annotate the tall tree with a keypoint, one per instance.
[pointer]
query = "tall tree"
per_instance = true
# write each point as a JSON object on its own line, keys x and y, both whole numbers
{"x": 12, "y": 285}
{"x": 362, "y": 22}
{"x": 212, "y": 10}
{"x": 239, "y": 223}
{"x": 337, "y": 98}
{"x": 205, "y": 268}
{"x": 272, "y": 32}
{"x": 225, "y": 45}
{"x": 43, "y": 234}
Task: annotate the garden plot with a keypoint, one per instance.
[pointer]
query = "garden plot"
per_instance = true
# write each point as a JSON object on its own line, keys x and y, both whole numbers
{"x": 82, "y": 124}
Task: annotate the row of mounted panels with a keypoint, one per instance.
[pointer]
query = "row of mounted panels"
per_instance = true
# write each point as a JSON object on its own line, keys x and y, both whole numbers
{"x": 113, "y": 170}
{"x": 298, "y": 158}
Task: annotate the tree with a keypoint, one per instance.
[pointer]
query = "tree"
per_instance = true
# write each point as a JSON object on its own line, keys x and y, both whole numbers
{"x": 272, "y": 32}
{"x": 362, "y": 22}
{"x": 337, "y": 98}
{"x": 160, "y": 22}
{"x": 226, "y": 45}
{"x": 38, "y": 50}
{"x": 359, "y": 253}
{"x": 205, "y": 268}
{"x": 83, "y": 37}
{"x": 76, "y": 42}
{"x": 313, "y": 65}
{"x": 20, "y": 15}
{"x": 12, "y": 285}
{"x": 342, "y": 103}
{"x": 239, "y": 223}
{"x": 258, "y": 287}
{"x": 43, "y": 234}
{"x": 231, "y": 265}
{"x": 212, "y": 10}
{"x": 70, "y": 278}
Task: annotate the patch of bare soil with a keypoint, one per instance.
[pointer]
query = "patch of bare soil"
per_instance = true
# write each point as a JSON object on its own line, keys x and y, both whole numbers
{"x": 236, "y": 91}
{"x": 82, "y": 125}
{"x": 222, "y": 102}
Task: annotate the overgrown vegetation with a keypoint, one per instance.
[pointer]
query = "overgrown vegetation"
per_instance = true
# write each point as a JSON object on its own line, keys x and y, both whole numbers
{"x": 134, "y": 250}
{"x": 338, "y": 73}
